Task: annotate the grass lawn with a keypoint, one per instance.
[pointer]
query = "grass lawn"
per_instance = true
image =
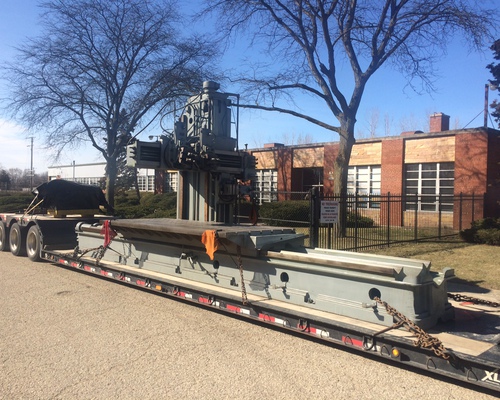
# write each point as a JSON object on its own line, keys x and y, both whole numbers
{"x": 474, "y": 264}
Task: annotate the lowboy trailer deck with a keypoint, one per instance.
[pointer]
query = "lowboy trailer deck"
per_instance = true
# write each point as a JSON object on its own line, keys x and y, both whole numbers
{"x": 465, "y": 347}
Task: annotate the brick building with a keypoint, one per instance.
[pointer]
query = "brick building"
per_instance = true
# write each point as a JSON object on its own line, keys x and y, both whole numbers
{"x": 440, "y": 162}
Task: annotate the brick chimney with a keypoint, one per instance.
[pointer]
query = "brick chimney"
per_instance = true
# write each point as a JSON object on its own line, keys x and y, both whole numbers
{"x": 439, "y": 123}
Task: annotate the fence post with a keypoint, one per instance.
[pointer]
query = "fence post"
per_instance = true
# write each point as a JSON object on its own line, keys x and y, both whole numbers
{"x": 460, "y": 212}
{"x": 388, "y": 218}
{"x": 472, "y": 210}
{"x": 415, "y": 234}
{"x": 439, "y": 215}
{"x": 329, "y": 234}
{"x": 315, "y": 212}
{"x": 356, "y": 205}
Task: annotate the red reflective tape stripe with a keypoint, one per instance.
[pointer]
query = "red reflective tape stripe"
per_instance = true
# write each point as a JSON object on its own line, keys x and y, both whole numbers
{"x": 233, "y": 308}
{"x": 312, "y": 330}
{"x": 204, "y": 300}
{"x": 266, "y": 317}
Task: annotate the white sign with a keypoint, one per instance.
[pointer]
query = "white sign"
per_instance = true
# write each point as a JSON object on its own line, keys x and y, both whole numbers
{"x": 329, "y": 212}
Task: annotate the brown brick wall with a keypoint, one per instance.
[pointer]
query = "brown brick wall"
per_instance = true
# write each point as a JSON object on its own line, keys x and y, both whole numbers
{"x": 392, "y": 166}
{"x": 492, "y": 206}
{"x": 284, "y": 161}
{"x": 330, "y": 153}
{"x": 471, "y": 151}
{"x": 391, "y": 179}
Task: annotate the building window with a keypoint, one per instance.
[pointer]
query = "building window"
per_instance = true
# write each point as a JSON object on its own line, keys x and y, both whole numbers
{"x": 364, "y": 180}
{"x": 429, "y": 184}
{"x": 172, "y": 181}
{"x": 87, "y": 181}
{"x": 266, "y": 185}
{"x": 142, "y": 183}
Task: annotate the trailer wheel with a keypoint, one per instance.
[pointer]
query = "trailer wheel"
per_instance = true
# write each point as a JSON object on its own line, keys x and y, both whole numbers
{"x": 34, "y": 243}
{"x": 17, "y": 240}
{"x": 4, "y": 237}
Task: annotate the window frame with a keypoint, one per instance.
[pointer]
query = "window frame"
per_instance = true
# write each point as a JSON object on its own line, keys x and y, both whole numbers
{"x": 367, "y": 188}
{"x": 431, "y": 183}
{"x": 265, "y": 184}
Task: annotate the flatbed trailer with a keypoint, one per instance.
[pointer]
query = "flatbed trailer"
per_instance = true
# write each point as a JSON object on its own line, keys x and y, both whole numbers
{"x": 470, "y": 353}
{"x": 466, "y": 349}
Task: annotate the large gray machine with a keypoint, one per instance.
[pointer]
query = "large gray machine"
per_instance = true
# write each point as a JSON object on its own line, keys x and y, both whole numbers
{"x": 206, "y": 155}
{"x": 273, "y": 261}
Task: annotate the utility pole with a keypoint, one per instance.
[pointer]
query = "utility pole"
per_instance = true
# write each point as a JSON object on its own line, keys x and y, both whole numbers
{"x": 486, "y": 89}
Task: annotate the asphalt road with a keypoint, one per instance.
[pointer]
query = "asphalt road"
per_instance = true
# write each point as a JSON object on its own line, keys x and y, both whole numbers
{"x": 67, "y": 335}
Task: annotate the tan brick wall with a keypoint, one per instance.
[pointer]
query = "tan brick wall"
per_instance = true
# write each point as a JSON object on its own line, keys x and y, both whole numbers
{"x": 265, "y": 159}
{"x": 428, "y": 219}
{"x": 366, "y": 154}
{"x": 440, "y": 149}
{"x": 308, "y": 158}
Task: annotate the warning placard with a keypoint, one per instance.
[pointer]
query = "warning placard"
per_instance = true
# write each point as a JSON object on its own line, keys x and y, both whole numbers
{"x": 329, "y": 212}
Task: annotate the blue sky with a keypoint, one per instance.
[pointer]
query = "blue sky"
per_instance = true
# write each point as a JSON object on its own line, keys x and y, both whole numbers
{"x": 459, "y": 93}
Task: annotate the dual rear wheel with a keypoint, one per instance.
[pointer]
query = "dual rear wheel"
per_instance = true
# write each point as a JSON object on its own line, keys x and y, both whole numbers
{"x": 4, "y": 237}
{"x": 21, "y": 241}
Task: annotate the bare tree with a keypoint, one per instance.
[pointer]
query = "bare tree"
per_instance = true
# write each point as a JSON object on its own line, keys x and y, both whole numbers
{"x": 313, "y": 42}
{"x": 102, "y": 69}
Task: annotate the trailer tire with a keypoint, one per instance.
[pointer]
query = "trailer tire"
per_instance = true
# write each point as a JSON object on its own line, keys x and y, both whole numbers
{"x": 34, "y": 243}
{"x": 4, "y": 237}
{"x": 17, "y": 240}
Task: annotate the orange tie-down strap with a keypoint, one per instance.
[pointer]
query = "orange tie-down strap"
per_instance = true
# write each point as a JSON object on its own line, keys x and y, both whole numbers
{"x": 211, "y": 242}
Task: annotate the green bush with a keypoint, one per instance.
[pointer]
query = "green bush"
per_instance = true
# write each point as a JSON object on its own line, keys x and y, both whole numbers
{"x": 15, "y": 202}
{"x": 150, "y": 206}
{"x": 360, "y": 221}
{"x": 285, "y": 213}
{"x": 486, "y": 231}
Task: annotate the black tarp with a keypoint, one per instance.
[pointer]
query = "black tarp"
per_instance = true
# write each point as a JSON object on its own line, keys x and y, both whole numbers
{"x": 66, "y": 195}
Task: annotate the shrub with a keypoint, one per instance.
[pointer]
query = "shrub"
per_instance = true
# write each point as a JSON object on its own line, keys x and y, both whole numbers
{"x": 285, "y": 213}
{"x": 150, "y": 206}
{"x": 15, "y": 202}
{"x": 360, "y": 221}
{"x": 485, "y": 231}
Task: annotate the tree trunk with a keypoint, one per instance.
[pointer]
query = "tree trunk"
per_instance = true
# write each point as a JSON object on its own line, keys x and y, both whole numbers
{"x": 136, "y": 185}
{"x": 340, "y": 172}
{"x": 111, "y": 172}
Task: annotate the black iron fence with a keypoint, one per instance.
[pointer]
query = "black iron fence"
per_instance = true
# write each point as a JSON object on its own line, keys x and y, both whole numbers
{"x": 364, "y": 221}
